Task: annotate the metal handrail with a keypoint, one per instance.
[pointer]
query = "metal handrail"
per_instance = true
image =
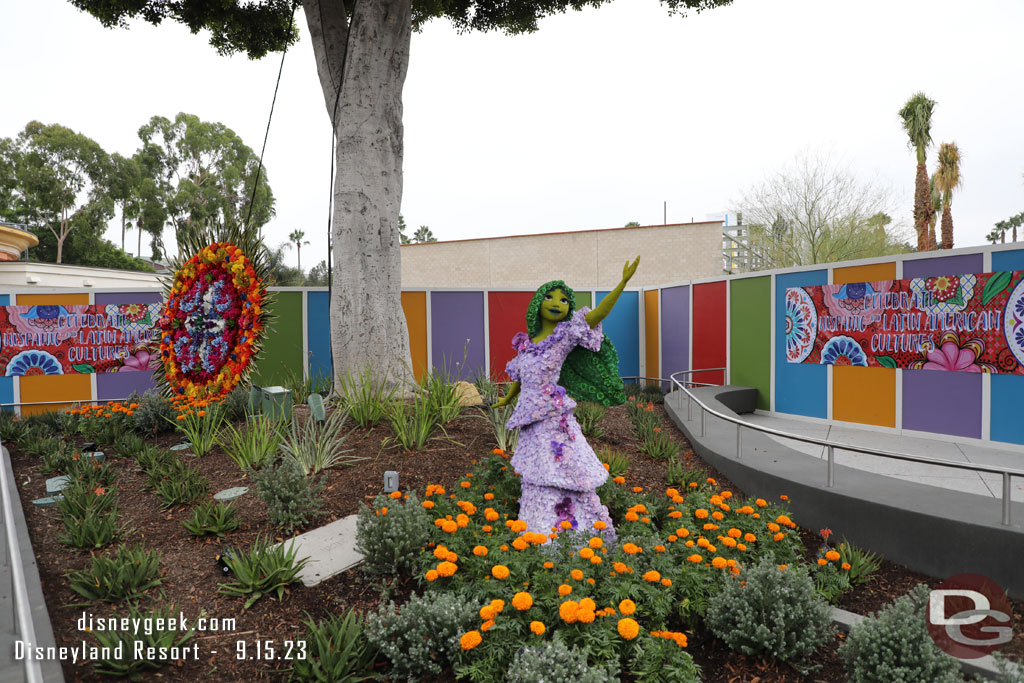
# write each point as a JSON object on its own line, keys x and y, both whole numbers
{"x": 1006, "y": 472}
{"x": 22, "y": 606}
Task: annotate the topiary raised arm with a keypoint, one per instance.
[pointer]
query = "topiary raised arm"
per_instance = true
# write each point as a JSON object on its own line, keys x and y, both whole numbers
{"x": 605, "y": 307}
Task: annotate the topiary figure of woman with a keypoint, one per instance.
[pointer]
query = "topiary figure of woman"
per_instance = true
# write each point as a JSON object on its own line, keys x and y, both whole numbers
{"x": 565, "y": 357}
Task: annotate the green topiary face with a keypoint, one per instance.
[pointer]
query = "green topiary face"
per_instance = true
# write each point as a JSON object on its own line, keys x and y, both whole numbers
{"x": 533, "y": 311}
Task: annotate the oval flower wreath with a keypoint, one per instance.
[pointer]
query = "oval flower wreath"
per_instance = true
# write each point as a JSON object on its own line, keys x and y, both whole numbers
{"x": 212, "y": 324}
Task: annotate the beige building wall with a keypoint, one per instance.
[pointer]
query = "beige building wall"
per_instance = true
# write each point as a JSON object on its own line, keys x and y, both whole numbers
{"x": 591, "y": 258}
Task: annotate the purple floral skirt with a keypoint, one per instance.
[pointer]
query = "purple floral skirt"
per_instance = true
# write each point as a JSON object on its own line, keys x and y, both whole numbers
{"x": 544, "y": 508}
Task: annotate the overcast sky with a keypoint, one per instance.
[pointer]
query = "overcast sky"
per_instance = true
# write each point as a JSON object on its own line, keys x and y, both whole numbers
{"x": 593, "y": 121}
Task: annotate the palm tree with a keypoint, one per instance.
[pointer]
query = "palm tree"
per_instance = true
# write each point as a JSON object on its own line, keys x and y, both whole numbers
{"x": 296, "y": 238}
{"x": 947, "y": 179}
{"x": 423, "y": 234}
{"x": 917, "y": 122}
{"x": 935, "y": 207}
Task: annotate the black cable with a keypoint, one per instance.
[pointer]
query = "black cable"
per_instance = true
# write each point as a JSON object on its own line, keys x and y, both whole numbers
{"x": 259, "y": 168}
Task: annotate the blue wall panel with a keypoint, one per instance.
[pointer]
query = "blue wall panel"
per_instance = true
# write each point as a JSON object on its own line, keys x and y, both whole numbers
{"x": 623, "y": 327}
{"x": 800, "y": 388}
{"x": 1005, "y": 423}
{"x": 318, "y": 329}
{"x": 1008, "y": 260}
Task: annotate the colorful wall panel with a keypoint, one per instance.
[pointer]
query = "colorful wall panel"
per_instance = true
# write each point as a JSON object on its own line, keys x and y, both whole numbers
{"x": 414, "y": 304}
{"x": 506, "y": 313}
{"x": 864, "y": 395}
{"x": 709, "y": 330}
{"x": 623, "y": 327}
{"x": 800, "y": 389}
{"x": 282, "y": 350}
{"x": 943, "y": 402}
{"x": 652, "y": 342}
{"x": 750, "y": 336}
{"x": 318, "y": 335}
{"x": 675, "y": 330}
{"x": 1006, "y": 390}
{"x": 44, "y": 299}
{"x": 457, "y": 333}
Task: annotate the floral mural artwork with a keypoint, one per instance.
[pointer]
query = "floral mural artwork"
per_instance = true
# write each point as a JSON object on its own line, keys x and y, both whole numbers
{"x": 967, "y": 322}
{"x": 213, "y": 322}
{"x": 76, "y": 339}
{"x": 801, "y": 325}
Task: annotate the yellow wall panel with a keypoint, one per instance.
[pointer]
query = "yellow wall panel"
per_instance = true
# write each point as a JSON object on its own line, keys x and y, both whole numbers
{"x": 864, "y": 395}
{"x": 39, "y": 388}
{"x": 652, "y": 333}
{"x": 414, "y": 304}
{"x": 53, "y": 299}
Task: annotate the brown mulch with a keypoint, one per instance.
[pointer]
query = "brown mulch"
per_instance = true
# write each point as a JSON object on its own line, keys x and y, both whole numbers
{"x": 191, "y": 573}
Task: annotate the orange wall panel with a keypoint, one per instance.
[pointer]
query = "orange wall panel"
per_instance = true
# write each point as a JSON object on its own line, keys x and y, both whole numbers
{"x": 414, "y": 304}
{"x": 870, "y": 273}
{"x": 53, "y": 299}
{"x": 652, "y": 334}
{"x": 39, "y": 388}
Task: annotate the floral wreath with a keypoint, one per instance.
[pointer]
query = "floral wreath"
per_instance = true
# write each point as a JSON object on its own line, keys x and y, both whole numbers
{"x": 213, "y": 322}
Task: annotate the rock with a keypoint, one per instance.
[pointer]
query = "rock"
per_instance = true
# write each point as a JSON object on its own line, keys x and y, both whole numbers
{"x": 58, "y": 484}
{"x": 468, "y": 395}
{"x": 231, "y": 494}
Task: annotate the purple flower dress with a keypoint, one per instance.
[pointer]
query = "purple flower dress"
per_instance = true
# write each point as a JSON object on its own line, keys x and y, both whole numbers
{"x": 559, "y": 469}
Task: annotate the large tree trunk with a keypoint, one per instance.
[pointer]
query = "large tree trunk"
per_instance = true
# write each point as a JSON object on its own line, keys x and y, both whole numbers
{"x": 368, "y": 327}
{"x": 922, "y": 202}
{"x": 947, "y": 226}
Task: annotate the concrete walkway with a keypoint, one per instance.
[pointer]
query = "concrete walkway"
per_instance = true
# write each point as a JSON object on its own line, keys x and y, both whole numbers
{"x": 979, "y": 483}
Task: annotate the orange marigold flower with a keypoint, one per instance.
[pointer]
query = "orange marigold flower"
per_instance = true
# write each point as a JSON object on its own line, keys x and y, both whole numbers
{"x": 520, "y": 544}
{"x": 586, "y": 553}
{"x": 447, "y": 568}
{"x": 586, "y": 616}
{"x": 832, "y": 555}
{"x": 549, "y": 565}
{"x": 486, "y": 528}
{"x": 822, "y": 561}
{"x": 619, "y": 480}
{"x": 428, "y": 504}
{"x": 693, "y": 484}
{"x": 628, "y": 628}
{"x": 712, "y": 481}
{"x": 740, "y": 546}
{"x": 576, "y": 574}
{"x": 652, "y": 576}
{"x": 452, "y": 557}
{"x": 487, "y": 612}
{"x": 749, "y": 538}
{"x": 632, "y": 549}
{"x": 784, "y": 497}
{"x": 499, "y": 571}
{"x": 465, "y": 484}
{"x": 846, "y": 566}
{"x": 596, "y": 559}
{"x": 761, "y": 502}
{"x": 675, "y": 514}
{"x": 470, "y": 640}
{"x": 671, "y": 493}
{"x": 596, "y": 542}
{"x": 395, "y": 495}
{"x": 779, "y": 536}
{"x": 503, "y": 547}
{"x": 522, "y": 601}
{"x": 682, "y": 532}
{"x": 488, "y": 496}
{"x": 717, "y": 516}
{"x": 565, "y": 524}
{"x": 627, "y": 607}
{"x": 620, "y": 567}
{"x": 498, "y": 451}
{"x": 568, "y": 611}
{"x": 719, "y": 563}
{"x": 666, "y": 582}
{"x": 734, "y": 532}
{"x": 480, "y": 550}
{"x": 695, "y": 558}
{"x": 659, "y": 548}
{"x": 432, "y": 575}
{"x": 538, "y": 627}
{"x": 700, "y": 513}
{"x": 498, "y": 605}
{"x": 773, "y": 527}
{"x": 449, "y": 527}
{"x": 486, "y": 626}
{"x": 783, "y": 567}
{"x": 599, "y": 525}
{"x": 564, "y": 589}
{"x": 632, "y": 516}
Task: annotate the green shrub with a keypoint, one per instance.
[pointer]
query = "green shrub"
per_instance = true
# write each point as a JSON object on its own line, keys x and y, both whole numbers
{"x": 126, "y": 643}
{"x": 80, "y": 497}
{"x": 893, "y": 645}
{"x": 212, "y": 517}
{"x": 58, "y": 460}
{"x": 862, "y": 563}
{"x": 123, "y": 575}
{"x": 93, "y": 529}
{"x": 617, "y": 461}
{"x": 589, "y": 416}
{"x": 264, "y": 569}
{"x": 180, "y": 485}
{"x": 154, "y": 414}
{"x": 90, "y": 473}
{"x": 830, "y": 581}
{"x": 661, "y": 660}
{"x": 39, "y": 446}
{"x": 391, "y": 542}
{"x": 555, "y": 661}
{"x": 154, "y": 460}
{"x": 365, "y": 397}
{"x": 421, "y": 637}
{"x": 316, "y": 445}
{"x": 412, "y": 423}
{"x": 236, "y": 404}
{"x": 251, "y": 445}
{"x": 12, "y": 429}
{"x": 128, "y": 445}
{"x": 292, "y": 498}
{"x": 337, "y": 651}
{"x": 770, "y": 612}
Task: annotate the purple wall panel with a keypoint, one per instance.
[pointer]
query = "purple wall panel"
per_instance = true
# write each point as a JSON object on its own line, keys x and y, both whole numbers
{"x": 111, "y": 385}
{"x": 108, "y": 298}
{"x": 942, "y": 402}
{"x": 675, "y": 330}
{"x": 457, "y": 325}
{"x": 944, "y": 265}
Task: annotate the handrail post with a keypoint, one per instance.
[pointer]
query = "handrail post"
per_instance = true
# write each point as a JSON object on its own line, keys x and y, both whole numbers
{"x": 702, "y": 414}
{"x": 739, "y": 441}
{"x": 831, "y": 467}
{"x": 1007, "y": 500}
{"x": 689, "y": 407}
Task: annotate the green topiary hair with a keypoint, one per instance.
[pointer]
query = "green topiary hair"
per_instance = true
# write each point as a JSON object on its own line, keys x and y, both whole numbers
{"x": 586, "y": 375}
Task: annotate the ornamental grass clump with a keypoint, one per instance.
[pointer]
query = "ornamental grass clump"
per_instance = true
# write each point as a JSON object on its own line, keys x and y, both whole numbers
{"x": 211, "y": 517}
{"x": 12, "y": 429}
{"x": 365, "y": 396}
{"x": 422, "y": 636}
{"x": 200, "y": 421}
{"x": 658, "y": 444}
{"x": 771, "y": 612}
{"x": 862, "y": 562}
{"x": 442, "y": 395}
{"x": 253, "y": 444}
{"x": 617, "y": 462}
{"x": 122, "y": 575}
{"x": 894, "y": 645}
{"x": 128, "y": 444}
{"x": 317, "y": 446}
{"x": 337, "y": 650}
{"x": 589, "y": 416}
{"x": 180, "y": 484}
{"x": 412, "y": 422}
{"x": 262, "y": 570}
{"x": 293, "y": 499}
{"x": 164, "y": 634}
{"x": 555, "y": 661}
{"x": 391, "y": 533}
{"x": 506, "y": 439}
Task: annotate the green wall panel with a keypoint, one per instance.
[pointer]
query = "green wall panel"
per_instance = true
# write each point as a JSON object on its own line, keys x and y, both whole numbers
{"x": 282, "y": 350}
{"x": 750, "y": 336}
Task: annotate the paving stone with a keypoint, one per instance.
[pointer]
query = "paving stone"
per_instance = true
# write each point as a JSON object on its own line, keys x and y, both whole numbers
{"x": 58, "y": 484}
{"x": 231, "y": 494}
{"x": 331, "y": 549}
{"x": 181, "y": 447}
{"x": 316, "y": 407}
{"x": 49, "y": 500}
{"x": 98, "y": 456}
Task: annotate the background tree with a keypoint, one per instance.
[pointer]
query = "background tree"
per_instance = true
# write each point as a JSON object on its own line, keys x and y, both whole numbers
{"x": 423, "y": 235}
{"x": 947, "y": 179}
{"x": 204, "y": 175}
{"x": 361, "y": 49}
{"x": 632, "y": 224}
{"x": 317, "y": 275}
{"x": 917, "y": 122}
{"x": 998, "y": 233}
{"x": 280, "y": 273}
{"x": 815, "y": 211}
{"x": 296, "y": 237}
{"x": 124, "y": 185}
{"x": 934, "y": 211}
{"x": 403, "y": 238}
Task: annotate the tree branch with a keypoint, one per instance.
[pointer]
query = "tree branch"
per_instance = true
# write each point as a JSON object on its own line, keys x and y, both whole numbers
{"x": 328, "y": 30}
